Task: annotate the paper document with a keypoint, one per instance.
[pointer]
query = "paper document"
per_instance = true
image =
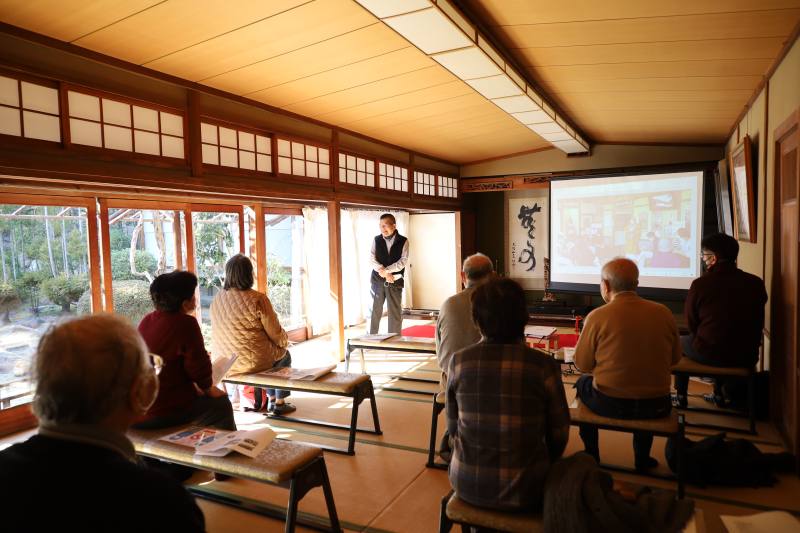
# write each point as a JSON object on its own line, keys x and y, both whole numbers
{"x": 769, "y": 522}
{"x": 220, "y": 367}
{"x": 218, "y": 442}
{"x": 305, "y": 374}
{"x": 539, "y": 332}
{"x": 376, "y": 337}
{"x": 569, "y": 355}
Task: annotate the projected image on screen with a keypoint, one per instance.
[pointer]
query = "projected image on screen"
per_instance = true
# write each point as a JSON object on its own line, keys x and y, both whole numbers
{"x": 654, "y": 220}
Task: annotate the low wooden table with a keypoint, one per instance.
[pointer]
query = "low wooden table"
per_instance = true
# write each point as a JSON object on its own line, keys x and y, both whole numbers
{"x": 356, "y": 386}
{"x": 297, "y": 466}
{"x": 397, "y": 343}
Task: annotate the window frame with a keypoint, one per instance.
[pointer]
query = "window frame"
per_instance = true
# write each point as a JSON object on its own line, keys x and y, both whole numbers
{"x": 222, "y": 169}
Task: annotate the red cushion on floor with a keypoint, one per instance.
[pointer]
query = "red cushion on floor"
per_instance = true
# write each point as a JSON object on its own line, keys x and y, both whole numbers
{"x": 426, "y": 330}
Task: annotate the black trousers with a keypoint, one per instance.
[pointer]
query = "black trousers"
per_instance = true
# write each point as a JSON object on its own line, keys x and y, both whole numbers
{"x": 623, "y": 408}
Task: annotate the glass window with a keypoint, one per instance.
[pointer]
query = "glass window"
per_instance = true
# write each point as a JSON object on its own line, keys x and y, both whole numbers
{"x": 144, "y": 244}
{"x": 285, "y": 268}
{"x": 424, "y": 183}
{"x": 29, "y": 110}
{"x": 229, "y": 147}
{"x": 299, "y": 159}
{"x": 44, "y": 255}
{"x": 216, "y": 239}
{"x": 393, "y": 177}
{"x": 107, "y": 123}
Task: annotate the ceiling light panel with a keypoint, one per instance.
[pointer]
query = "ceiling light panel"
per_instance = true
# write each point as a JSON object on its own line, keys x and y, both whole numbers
{"x": 546, "y": 127}
{"x": 495, "y": 86}
{"x": 468, "y": 63}
{"x": 383, "y": 9}
{"x": 558, "y": 136}
{"x": 429, "y": 30}
{"x": 532, "y": 117}
{"x": 570, "y": 146}
{"x": 516, "y": 104}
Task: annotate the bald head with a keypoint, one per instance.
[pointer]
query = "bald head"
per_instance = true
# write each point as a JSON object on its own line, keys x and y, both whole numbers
{"x": 476, "y": 268}
{"x": 621, "y": 275}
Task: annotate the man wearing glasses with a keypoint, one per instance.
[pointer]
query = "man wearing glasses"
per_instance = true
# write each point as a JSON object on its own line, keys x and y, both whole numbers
{"x": 725, "y": 313}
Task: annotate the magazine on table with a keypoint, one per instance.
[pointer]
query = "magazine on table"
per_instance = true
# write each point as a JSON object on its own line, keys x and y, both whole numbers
{"x": 539, "y": 332}
{"x": 221, "y": 366}
{"x": 376, "y": 337}
{"x": 218, "y": 442}
{"x": 302, "y": 374}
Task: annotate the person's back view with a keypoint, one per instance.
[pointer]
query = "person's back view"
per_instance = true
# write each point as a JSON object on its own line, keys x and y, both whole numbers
{"x": 93, "y": 379}
{"x": 507, "y": 413}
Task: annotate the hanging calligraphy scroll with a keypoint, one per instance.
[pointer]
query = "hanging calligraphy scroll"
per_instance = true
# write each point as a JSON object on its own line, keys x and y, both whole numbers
{"x": 527, "y": 237}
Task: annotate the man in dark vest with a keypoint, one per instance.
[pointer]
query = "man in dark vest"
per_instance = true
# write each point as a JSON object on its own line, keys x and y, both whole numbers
{"x": 389, "y": 257}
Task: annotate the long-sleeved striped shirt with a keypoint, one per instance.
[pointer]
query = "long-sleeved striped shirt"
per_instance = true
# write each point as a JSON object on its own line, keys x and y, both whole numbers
{"x": 508, "y": 418}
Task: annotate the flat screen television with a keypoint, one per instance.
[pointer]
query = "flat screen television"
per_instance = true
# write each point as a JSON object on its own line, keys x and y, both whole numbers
{"x": 654, "y": 219}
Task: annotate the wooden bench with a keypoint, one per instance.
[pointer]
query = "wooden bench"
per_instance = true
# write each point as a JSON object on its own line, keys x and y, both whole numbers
{"x": 356, "y": 386}
{"x": 688, "y": 367}
{"x": 454, "y": 510}
{"x": 297, "y": 466}
{"x": 669, "y": 426}
{"x": 438, "y": 407}
{"x": 397, "y": 343}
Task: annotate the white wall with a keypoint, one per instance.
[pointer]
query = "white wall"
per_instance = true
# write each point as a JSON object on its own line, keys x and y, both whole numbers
{"x": 432, "y": 250}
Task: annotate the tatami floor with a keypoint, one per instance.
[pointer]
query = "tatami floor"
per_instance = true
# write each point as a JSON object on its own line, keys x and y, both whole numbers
{"x": 386, "y": 486}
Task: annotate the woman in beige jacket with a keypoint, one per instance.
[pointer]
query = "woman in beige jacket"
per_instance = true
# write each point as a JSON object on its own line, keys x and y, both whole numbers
{"x": 243, "y": 322}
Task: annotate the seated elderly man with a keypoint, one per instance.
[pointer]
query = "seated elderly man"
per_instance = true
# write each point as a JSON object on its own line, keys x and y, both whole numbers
{"x": 629, "y": 345}
{"x": 455, "y": 328}
{"x": 79, "y": 472}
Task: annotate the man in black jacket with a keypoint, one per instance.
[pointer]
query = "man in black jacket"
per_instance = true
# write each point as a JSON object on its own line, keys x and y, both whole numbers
{"x": 725, "y": 312}
{"x": 79, "y": 472}
{"x": 389, "y": 256}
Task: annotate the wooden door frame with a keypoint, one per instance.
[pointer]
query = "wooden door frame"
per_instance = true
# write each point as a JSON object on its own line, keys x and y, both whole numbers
{"x": 790, "y": 125}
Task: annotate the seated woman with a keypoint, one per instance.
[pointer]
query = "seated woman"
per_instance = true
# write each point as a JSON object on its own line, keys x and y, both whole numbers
{"x": 507, "y": 412}
{"x": 244, "y": 323}
{"x": 186, "y": 393}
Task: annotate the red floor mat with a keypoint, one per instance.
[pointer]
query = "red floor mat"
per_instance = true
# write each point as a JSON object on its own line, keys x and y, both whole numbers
{"x": 426, "y": 330}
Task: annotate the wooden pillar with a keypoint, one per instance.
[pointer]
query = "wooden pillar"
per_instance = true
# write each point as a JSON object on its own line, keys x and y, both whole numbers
{"x": 194, "y": 134}
{"x": 335, "y": 300}
{"x": 94, "y": 255}
{"x": 457, "y": 219}
{"x": 105, "y": 236}
{"x": 261, "y": 248}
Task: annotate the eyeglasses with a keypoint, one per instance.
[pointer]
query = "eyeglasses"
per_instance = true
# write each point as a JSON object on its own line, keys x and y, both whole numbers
{"x": 703, "y": 255}
{"x": 158, "y": 363}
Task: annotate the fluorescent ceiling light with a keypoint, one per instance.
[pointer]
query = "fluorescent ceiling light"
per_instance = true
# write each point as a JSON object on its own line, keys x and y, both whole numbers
{"x": 516, "y": 104}
{"x": 559, "y": 136}
{"x": 570, "y": 146}
{"x": 429, "y": 30}
{"x": 546, "y": 127}
{"x": 532, "y": 117}
{"x": 495, "y": 86}
{"x": 468, "y": 63}
{"x": 382, "y": 8}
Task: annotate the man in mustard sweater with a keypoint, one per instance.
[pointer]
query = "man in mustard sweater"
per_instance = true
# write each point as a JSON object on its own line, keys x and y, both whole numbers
{"x": 629, "y": 345}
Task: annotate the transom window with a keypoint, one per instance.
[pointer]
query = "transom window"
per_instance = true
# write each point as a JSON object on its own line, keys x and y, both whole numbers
{"x": 306, "y": 160}
{"x": 229, "y": 147}
{"x": 424, "y": 183}
{"x": 448, "y": 187}
{"x": 393, "y": 177}
{"x": 356, "y": 170}
{"x": 108, "y": 123}
{"x": 29, "y": 110}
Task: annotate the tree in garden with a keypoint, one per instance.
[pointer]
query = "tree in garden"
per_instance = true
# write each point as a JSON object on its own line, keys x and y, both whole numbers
{"x": 121, "y": 269}
{"x": 64, "y": 290}
{"x": 211, "y": 242}
{"x": 28, "y": 286}
{"x": 9, "y": 300}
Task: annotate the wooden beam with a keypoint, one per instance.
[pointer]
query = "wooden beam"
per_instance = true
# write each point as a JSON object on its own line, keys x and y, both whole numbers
{"x": 335, "y": 254}
{"x": 106, "y": 248}
{"x": 194, "y": 135}
{"x": 261, "y": 248}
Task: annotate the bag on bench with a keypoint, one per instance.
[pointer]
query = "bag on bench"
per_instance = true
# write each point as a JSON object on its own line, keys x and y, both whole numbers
{"x": 715, "y": 461}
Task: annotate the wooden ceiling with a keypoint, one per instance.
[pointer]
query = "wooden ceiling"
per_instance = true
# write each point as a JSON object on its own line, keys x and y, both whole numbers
{"x": 625, "y": 70}
{"x": 327, "y": 59}
{"x": 622, "y": 70}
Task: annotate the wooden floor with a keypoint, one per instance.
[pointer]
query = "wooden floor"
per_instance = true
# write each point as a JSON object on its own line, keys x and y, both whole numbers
{"x": 386, "y": 487}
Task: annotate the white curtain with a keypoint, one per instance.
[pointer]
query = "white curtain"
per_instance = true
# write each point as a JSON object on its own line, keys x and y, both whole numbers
{"x": 359, "y": 228}
{"x": 316, "y": 281}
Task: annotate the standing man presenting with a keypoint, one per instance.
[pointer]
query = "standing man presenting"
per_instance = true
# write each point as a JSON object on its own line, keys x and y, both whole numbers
{"x": 389, "y": 256}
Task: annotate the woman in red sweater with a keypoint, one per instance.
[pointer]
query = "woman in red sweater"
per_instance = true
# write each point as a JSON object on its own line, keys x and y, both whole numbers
{"x": 185, "y": 393}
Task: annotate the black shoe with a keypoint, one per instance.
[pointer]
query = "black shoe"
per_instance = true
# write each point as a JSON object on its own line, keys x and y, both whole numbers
{"x": 716, "y": 399}
{"x": 646, "y": 464}
{"x": 283, "y": 409}
{"x": 679, "y": 400}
